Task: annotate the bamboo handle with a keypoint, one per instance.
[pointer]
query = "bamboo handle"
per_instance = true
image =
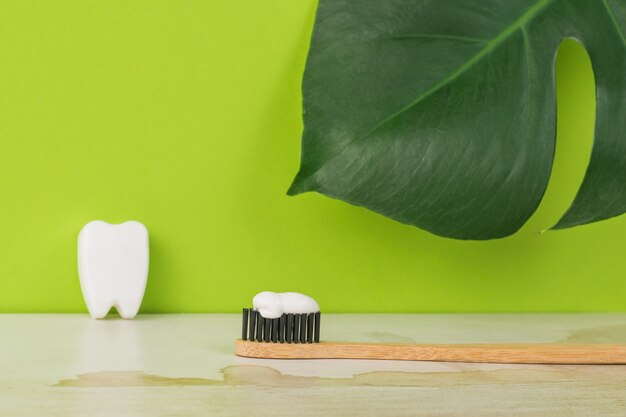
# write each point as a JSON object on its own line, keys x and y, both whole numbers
{"x": 582, "y": 354}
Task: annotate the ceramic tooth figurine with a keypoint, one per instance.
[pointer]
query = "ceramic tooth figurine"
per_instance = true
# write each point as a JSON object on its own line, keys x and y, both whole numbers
{"x": 113, "y": 267}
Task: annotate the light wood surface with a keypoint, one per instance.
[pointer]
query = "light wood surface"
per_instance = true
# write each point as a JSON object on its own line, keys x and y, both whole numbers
{"x": 555, "y": 353}
{"x": 184, "y": 365}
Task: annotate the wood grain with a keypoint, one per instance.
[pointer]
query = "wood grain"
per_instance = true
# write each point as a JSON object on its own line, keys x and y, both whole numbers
{"x": 529, "y": 353}
{"x": 183, "y": 365}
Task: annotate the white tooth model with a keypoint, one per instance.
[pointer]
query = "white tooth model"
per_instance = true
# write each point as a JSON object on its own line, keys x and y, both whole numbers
{"x": 113, "y": 267}
{"x": 272, "y": 305}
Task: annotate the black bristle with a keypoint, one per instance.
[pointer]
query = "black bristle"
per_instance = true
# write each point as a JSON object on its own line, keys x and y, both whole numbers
{"x": 316, "y": 336}
{"x": 309, "y": 327}
{"x": 266, "y": 331}
{"x": 259, "y": 327}
{"x": 275, "y": 326}
{"x": 302, "y": 328}
{"x": 296, "y": 328}
{"x": 244, "y": 325}
{"x": 281, "y": 329}
{"x": 252, "y": 323}
{"x": 289, "y": 329}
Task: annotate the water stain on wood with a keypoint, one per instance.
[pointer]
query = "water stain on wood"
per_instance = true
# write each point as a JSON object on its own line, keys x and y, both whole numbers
{"x": 261, "y": 376}
{"x": 600, "y": 334}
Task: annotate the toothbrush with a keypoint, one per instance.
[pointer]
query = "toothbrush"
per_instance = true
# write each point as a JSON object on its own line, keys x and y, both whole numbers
{"x": 287, "y": 326}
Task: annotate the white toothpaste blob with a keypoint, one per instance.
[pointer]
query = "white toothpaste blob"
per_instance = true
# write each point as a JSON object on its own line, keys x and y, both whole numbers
{"x": 272, "y": 305}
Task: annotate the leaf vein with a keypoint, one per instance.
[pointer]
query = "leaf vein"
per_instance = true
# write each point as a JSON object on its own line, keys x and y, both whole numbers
{"x": 618, "y": 28}
{"x": 490, "y": 46}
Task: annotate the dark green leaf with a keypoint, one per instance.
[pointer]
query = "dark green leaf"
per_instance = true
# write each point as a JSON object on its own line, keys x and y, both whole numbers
{"x": 441, "y": 114}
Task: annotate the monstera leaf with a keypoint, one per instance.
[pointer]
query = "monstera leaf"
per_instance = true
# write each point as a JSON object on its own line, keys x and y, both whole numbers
{"x": 441, "y": 113}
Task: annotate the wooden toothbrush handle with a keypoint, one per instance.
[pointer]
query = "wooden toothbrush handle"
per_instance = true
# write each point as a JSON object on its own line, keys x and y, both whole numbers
{"x": 531, "y": 353}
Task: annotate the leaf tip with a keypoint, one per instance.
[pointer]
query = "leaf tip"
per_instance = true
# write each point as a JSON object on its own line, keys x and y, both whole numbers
{"x": 302, "y": 183}
{"x": 293, "y": 190}
{"x": 296, "y": 187}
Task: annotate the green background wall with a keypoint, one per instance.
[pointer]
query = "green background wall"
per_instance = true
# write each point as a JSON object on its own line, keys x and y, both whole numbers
{"x": 186, "y": 116}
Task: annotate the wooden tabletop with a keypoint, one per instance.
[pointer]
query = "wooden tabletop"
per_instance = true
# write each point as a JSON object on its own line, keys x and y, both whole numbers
{"x": 183, "y": 365}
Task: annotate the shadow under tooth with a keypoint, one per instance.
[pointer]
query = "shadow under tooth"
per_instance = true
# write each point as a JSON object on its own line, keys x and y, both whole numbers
{"x": 266, "y": 331}
{"x": 252, "y": 323}
{"x": 316, "y": 337}
{"x": 281, "y": 329}
{"x": 302, "y": 328}
{"x": 309, "y": 328}
{"x": 296, "y": 328}
{"x": 275, "y": 326}
{"x": 259, "y": 327}
{"x": 244, "y": 325}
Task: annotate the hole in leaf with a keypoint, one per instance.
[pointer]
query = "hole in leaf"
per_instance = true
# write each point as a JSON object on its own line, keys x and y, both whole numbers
{"x": 576, "y": 104}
